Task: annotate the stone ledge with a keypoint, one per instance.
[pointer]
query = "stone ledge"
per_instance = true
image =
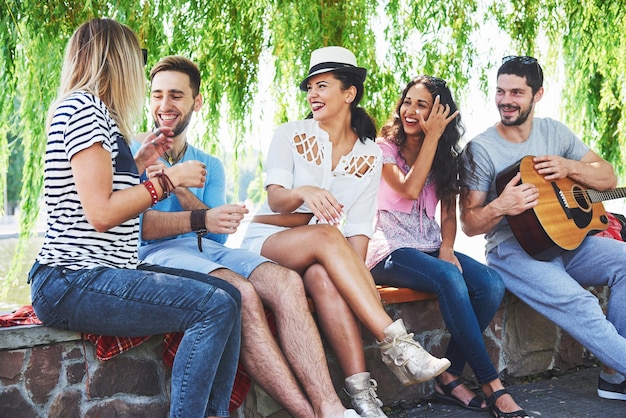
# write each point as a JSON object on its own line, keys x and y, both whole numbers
{"x": 51, "y": 364}
{"x": 59, "y": 376}
{"x": 24, "y": 336}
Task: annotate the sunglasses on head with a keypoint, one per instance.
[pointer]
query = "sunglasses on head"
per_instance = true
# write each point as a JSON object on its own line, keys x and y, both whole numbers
{"x": 525, "y": 59}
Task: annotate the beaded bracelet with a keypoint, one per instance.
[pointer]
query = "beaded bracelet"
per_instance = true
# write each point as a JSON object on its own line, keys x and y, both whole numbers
{"x": 153, "y": 193}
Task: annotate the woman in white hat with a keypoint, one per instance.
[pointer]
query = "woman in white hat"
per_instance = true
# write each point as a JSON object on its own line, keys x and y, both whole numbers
{"x": 322, "y": 180}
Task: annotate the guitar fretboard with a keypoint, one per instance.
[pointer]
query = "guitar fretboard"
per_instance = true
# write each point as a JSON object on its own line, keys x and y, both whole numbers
{"x": 598, "y": 196}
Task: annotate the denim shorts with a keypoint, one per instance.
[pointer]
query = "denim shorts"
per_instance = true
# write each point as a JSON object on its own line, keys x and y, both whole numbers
{"x": 183, "y": 253}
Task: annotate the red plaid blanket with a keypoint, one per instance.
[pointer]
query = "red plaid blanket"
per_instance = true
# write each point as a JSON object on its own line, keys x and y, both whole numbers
{"x": 109, "y": 347}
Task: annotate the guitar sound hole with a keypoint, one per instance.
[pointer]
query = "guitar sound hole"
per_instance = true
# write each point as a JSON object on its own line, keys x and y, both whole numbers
{"x": 582, "y": 200}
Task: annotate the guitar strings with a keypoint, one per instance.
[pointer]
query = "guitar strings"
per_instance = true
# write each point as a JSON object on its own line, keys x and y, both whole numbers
{"x": 594, "y": 195}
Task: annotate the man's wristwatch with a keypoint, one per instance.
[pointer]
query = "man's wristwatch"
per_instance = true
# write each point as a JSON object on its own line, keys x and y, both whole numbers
{"x": 198, "y": 224}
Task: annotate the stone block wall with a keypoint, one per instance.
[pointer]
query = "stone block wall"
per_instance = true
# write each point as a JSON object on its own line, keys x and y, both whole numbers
{"x": 64, "y": 379}
{"x": 47, "y": 373}
{"x": 520, "y": 343}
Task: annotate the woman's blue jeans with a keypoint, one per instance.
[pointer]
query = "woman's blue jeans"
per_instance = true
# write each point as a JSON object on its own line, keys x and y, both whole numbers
{"x": 468, "y": 301}
{"x": 131, "y": 303}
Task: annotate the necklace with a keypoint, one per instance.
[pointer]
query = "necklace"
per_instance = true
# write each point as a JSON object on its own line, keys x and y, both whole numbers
{"x": 173, "y": 160}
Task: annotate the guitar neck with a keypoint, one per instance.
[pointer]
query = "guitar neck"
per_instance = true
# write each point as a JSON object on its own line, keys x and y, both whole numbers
{"x": 598, "y": 196}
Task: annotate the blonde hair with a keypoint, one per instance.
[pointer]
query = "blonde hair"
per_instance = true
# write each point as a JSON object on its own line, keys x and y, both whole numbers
{"x": 103, "y": 58}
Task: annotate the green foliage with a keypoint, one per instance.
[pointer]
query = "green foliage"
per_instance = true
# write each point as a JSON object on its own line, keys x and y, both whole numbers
{"x": 394, "y": 39}
{"x": 432, "y": 38}
{"x": 595, "y": 68}
{"x": 298, "y": 27}
{"x": 588, "y": 37}
{"x": 8, "y": 46}
{"x": 256, "y": 191}
{"x": 14, "y": 172}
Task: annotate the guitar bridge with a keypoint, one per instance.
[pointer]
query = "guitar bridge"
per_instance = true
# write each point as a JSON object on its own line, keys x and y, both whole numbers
{"x": 562, "y": 200}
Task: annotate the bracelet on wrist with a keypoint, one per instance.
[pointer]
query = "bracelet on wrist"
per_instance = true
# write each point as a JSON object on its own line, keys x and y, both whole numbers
{"x": 166, "y": 184}
{"x": 153, "y": 193}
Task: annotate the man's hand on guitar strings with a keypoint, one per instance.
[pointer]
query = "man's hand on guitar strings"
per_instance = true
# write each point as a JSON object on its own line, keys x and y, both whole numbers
{"x": 517, "y": 197}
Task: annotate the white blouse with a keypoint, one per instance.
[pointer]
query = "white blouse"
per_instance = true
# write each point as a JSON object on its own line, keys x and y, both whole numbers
{"x": 301, "y": 154}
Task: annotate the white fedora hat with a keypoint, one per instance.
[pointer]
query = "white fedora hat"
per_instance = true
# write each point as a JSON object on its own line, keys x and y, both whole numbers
{"x": 332, "y": 58}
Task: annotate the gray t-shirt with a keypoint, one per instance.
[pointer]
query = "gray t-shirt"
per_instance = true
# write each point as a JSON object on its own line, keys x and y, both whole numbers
{"x": 493, "y": 154}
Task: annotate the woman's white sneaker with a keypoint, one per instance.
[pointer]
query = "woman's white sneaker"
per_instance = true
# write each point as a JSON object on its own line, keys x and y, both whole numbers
{"x": 406, "y": 358}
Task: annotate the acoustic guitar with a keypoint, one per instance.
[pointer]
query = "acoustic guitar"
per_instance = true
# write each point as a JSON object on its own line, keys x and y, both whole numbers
{"x": 565, "y": 214}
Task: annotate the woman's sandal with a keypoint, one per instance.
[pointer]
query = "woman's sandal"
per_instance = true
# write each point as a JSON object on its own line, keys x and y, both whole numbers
{"x": 491, "y": 405}
{"x": 447, "y": 396}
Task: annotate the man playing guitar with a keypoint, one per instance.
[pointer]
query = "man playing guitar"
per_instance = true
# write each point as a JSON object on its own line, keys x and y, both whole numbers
{"x": 554, "y": 287}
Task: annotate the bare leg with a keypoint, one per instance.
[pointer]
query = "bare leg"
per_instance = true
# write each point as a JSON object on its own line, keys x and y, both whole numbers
{"x": 260, "y": 353}
{"x": 301, "y": 247}
{"x": 282, "y": 291}
{"x": 326, "y": 245}
{"x": 336, "y": 320}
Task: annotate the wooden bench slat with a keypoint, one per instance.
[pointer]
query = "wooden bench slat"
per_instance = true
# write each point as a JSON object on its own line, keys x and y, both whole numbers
{"x": 390, "y": 294}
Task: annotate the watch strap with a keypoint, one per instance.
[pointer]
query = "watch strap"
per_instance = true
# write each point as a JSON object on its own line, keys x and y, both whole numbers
{"x": 198, "y": 224}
